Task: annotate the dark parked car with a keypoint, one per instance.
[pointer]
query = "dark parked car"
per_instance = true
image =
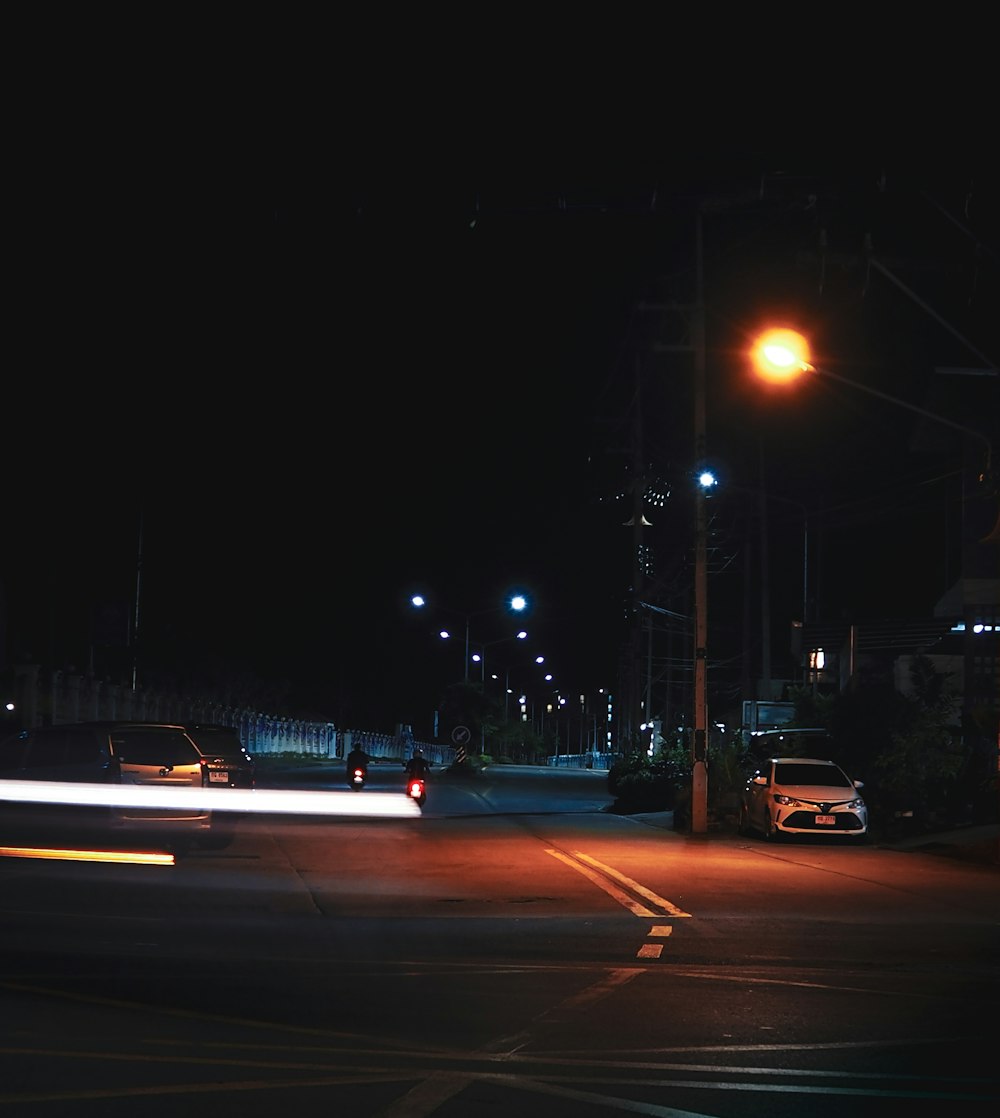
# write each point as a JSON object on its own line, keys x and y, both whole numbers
{"x": 169, "y": 755}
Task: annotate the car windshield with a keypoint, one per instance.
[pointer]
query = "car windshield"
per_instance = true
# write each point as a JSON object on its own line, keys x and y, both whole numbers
{"x": 218, "y": 743}
{"x": 823, "y": 775}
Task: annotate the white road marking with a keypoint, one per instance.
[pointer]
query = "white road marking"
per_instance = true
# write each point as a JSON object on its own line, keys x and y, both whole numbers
{"x": 647, "y": 950}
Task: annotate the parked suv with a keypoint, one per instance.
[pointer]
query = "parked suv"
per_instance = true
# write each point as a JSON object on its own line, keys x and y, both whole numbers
{"x": 190, "y": 755}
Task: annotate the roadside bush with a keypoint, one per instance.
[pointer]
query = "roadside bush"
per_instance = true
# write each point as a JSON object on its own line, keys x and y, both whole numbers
{"x": 643, "y": 783}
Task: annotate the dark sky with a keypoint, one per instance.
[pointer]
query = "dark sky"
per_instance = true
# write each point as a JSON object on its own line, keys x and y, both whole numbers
{"x": 322, "y": 401}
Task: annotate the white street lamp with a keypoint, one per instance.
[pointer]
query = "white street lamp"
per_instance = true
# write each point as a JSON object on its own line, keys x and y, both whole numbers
{"x": 518, "y": 603}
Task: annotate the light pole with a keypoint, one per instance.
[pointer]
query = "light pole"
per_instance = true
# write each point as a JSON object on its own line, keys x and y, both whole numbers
{"x": 699, "y": 751}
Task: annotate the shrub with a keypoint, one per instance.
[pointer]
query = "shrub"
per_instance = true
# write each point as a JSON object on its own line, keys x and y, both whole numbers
{"x": 647, "y": 783}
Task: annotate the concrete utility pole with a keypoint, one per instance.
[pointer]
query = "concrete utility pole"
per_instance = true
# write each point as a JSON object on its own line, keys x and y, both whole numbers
{"x": 699, "y": 751}
{"x": 694, "y": 343}
{"x": 638, "y": 523}
{"x": 136, "y": 614}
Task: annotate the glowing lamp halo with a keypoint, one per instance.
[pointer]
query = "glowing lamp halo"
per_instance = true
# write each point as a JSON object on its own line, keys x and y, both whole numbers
{"x": 780, "y": 354}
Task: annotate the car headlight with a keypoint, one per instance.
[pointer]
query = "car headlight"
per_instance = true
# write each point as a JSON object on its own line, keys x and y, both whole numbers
{"x": 858, "y": 803}
{"x": 785, "y": 801}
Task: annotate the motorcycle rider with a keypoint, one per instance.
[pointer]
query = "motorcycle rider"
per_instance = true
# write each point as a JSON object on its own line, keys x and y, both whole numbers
{"x": 417, "y": 765}
{"x": 357, "y": 759}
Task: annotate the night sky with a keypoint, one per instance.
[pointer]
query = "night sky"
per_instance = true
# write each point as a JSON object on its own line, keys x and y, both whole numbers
{"x": 320, "y": 403}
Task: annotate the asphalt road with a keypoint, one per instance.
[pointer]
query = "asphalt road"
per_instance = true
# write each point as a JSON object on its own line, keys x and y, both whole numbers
{"x": 514, "y": 948}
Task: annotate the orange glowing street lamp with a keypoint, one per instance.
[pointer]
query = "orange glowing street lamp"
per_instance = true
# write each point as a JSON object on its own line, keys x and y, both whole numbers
{"x": 780, "y": 355}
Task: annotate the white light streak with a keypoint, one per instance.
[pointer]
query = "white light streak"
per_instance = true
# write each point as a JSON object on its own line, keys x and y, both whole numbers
{"x": 256, "y": 801}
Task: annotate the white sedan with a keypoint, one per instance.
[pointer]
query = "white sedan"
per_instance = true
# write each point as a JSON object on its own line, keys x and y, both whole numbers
{"x": 803, "y": 796}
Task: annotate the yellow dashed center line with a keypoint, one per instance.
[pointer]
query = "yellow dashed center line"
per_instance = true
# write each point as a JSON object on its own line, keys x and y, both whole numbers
{"x": 665, "y": 907}
{"x": 599, "y": 873}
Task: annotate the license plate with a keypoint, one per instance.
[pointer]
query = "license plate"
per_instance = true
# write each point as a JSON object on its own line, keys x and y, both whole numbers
{"x": 215, "y": 777}
{"x": 826, "y": 820}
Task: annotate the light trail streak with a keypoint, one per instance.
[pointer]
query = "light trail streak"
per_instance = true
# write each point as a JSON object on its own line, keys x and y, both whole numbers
{"x": 60, "y": 854}
{"x": 255, "y": 801}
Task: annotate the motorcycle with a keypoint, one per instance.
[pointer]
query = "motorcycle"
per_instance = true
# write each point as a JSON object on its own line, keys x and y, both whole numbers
{"x": 416, "y": 789}
{"x": 357, "y": 778}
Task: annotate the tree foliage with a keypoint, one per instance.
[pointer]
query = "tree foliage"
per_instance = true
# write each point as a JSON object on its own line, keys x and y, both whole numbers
{"x": 907, "y": 748}
{"x": 649, "y": 783}
{"x": 923, "y": 757}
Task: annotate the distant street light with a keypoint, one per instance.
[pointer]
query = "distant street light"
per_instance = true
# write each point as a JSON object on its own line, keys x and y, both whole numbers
{"x": 518, "y": 603}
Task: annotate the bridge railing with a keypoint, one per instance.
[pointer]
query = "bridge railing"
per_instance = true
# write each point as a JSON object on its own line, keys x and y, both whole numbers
{"x": 581, "y": 760}
{"x": 48, "y": 698}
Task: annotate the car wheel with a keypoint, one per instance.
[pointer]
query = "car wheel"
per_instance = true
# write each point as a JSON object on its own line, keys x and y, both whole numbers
{"x": 771, "y": 832}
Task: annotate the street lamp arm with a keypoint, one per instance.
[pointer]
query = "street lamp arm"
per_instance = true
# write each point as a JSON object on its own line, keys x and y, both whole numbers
{"x": 781, "y": 354}
{"x": 910, "y": 407}
{"x": 880, "y": 267}
{"x": 667, "y": 612}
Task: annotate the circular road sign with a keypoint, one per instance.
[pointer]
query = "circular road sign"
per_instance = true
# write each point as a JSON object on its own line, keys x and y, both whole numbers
{"x": 460, "y": 735}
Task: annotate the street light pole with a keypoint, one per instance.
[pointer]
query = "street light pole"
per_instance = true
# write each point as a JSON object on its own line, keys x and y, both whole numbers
{"x": 699, "y": 752}
{"x": 467, "y": 620}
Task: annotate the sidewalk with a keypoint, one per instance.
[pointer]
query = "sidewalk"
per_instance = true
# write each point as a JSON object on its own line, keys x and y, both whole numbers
{"x": 980, "y": 843}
